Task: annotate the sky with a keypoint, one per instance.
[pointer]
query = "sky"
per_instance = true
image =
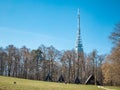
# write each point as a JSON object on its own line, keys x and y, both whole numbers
{"x": 54, "y": 22}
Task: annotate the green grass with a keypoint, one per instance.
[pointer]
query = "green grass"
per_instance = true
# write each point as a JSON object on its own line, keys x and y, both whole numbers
{"x": 113, "y": 88}
{"x": 7, "y": 83}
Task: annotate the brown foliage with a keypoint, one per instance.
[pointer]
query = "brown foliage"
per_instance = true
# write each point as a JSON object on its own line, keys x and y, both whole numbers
{"x": 111, "y": 68}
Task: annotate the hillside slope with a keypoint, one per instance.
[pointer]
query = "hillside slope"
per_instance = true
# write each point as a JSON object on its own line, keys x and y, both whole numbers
{"x": 7, "y": 83}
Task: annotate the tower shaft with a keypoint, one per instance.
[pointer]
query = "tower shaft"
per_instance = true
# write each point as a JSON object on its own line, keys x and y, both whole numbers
{"x": 78, "y": 47}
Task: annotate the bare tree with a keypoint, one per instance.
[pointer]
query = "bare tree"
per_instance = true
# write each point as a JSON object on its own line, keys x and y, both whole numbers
{"x": 115, "y": 35}
{"x": 3, "y": 56}
{"x": 68, "y": 65}
{"x": 44, "y": 61}
{"x": 10, "y": 59}
{"x": 52, "y": 56}
{"x": 38, "y": 58}
{"x": 25, "y": 54}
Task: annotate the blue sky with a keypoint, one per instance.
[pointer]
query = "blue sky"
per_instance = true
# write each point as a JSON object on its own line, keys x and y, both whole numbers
{"x": 54, "y": 22}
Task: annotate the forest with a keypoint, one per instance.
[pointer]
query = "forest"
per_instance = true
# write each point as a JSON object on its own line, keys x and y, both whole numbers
{"x": 45, "y": 61}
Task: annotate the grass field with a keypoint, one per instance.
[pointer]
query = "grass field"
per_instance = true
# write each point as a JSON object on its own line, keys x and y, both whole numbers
{"x": 7, "y": 83}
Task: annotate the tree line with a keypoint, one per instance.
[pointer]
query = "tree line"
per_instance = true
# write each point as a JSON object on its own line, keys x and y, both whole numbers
{"x": 37, "y": 64}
